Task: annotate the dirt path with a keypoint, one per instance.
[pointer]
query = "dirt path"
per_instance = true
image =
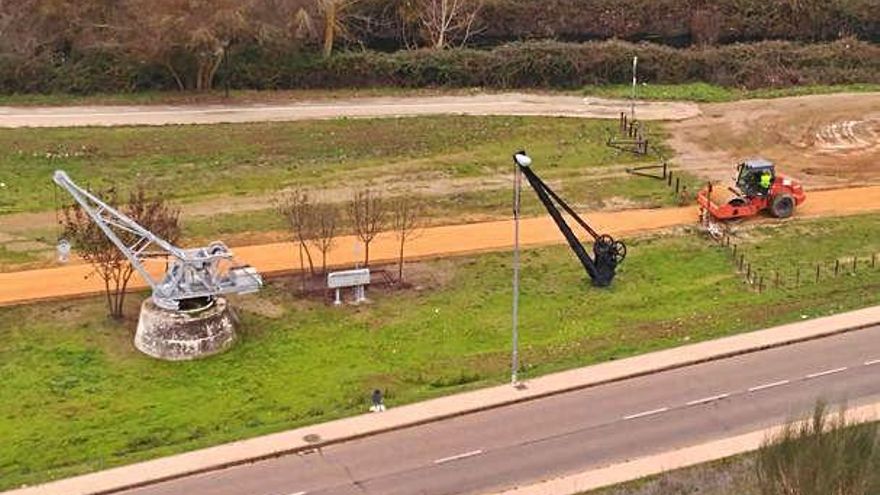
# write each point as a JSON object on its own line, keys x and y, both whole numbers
{"x": 278, "y": 258}
{"x": 479, "y": 104}
{"x": 823, "y": 140}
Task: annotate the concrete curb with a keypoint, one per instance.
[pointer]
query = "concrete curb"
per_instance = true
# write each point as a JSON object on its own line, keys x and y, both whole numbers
{"x": 667, "y": 461}
{"x": 321, "y": 435}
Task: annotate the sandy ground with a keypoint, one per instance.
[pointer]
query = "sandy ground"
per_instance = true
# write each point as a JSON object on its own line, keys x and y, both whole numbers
{"x": 480, "y": 104}
{"x": 278, "y": 258}
{"x": 824, "y": 140}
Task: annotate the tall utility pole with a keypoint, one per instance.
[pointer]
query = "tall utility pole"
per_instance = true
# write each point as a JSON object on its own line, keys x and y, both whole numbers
{"x": 632, "y": 105}
{"x": 519, "y": 159}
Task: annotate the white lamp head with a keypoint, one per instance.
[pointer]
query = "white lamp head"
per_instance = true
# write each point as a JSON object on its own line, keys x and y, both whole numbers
{"x": 522, "y": 159}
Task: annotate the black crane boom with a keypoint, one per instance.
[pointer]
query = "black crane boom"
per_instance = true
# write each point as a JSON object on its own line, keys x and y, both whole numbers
{"x": 607, "y": 253}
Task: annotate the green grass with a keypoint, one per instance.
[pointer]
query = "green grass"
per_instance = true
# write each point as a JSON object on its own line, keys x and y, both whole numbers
{"x": 217, "y": 96}
{"x": 77, "y": 397}
{"x": 710, "y": 93}
{"x": 195, "y": 162}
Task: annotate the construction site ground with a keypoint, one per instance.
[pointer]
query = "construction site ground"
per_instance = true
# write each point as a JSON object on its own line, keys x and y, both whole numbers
{"x": 826, "y": 141}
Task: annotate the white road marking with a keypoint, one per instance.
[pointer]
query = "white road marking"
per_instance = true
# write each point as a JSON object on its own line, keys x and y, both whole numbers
{"x": 874, "y": 361}
{"x": 458, "y": 457}
{"x": 708, "y": 399}
{"x": 826, "y": 372}
{"x": 769, "y": 385}
{"x": 298, "y": 493}
{"x": 646, "y": 413}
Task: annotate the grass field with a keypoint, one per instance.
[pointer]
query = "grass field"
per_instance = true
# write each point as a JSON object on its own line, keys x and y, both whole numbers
{"x": 710, "y": 93}
{"x": 218, "y": 96}
{"x": 701, "y": 92}
{"x": 196, "y": 162}
{"x": 77, "y": 397}
{"x": 226, "y": 176}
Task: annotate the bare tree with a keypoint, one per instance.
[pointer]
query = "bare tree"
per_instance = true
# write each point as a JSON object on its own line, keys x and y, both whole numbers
{"x": 154, "y": 214}
{"x": 326, "y": 221}
{"x": 191, "y": 37}
{"x": 367, "y": 212}
{"x": 336, "y": 17}
{"x": 406, "y": 217}
{"x": 444, "y": 22}
{"x": 297, "y": 208}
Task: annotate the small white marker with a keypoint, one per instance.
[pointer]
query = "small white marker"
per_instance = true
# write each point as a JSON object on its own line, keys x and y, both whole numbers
{"x": 872, "y": 362}
{"x": 298, "y": 493}
{"x": 458, "y": 457}
{"x": 769, "y": 385}
{"x": 708, "y": 399}
{"x": 826, "y": 372}
{"x": 646, "y": 413}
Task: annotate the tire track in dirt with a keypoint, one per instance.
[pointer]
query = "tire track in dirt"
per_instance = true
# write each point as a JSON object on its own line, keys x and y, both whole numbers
{"x": 436, "y": 242}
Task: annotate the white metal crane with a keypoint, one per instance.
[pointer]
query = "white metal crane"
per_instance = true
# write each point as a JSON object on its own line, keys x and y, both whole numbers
{"x": 192, "y": 275}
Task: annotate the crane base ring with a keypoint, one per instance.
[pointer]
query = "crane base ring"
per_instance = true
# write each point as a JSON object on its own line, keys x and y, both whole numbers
{"x": 185, "y": 335}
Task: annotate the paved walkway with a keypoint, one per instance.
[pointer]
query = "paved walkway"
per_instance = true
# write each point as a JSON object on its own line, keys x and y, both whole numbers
{"x": 480, "y": 104}
{"x": 435, "y": 242}
{"x": 400, "y": 417}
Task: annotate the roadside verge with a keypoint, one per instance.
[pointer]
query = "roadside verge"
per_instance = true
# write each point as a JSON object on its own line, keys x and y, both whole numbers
{"x": 667, "y": 461}
{"x": 317, "y": 436}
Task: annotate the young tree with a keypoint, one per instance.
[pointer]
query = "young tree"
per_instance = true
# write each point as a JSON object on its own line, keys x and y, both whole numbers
{"x": 406, "y": 216}
{"x": 94, "y": 247}
{"x": 326, "y": 217}
{"x": 367, "y": 211}
{"x": 298, "y": 210}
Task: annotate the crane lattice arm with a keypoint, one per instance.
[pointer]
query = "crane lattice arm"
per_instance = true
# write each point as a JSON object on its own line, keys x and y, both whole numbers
{"x": 192, "y": 274}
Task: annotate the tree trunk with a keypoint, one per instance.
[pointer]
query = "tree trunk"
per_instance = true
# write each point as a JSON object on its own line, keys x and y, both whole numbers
{"x": 176, "y": 76}
{"x": 367, "y": 253}
{"x": 109, "y": 297}
{"x": 400, "y": 261}
{"x": 125, "y": 279}
{"x": 304, "y": 245}
{"x": 302, "y": 270}
{"x": 329, "y": 27}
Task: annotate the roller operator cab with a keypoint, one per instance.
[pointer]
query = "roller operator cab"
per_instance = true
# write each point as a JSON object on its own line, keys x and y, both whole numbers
{"x": 759, "y": 187}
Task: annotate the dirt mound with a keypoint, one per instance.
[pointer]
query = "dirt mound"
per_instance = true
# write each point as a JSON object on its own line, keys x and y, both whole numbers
{"x": 848, "y": 136}
{"x": 823, "y": 140}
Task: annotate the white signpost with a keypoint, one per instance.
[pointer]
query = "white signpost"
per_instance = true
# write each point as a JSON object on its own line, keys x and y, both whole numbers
{"x": 349, "y": 278}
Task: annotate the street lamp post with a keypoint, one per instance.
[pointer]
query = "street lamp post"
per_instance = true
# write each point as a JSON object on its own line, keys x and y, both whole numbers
{"x": 520, "y": 159}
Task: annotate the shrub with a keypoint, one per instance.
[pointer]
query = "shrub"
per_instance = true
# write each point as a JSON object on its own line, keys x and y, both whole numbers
{"x": 821, "y": 456}
{"x": 532, "y": 64}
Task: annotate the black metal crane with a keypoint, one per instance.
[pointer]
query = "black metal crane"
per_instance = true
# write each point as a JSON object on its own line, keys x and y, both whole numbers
{"x": 607, "y": 252}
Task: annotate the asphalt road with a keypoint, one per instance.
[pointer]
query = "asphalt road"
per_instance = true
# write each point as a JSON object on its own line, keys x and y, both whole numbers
{"x": 570, "y": 432}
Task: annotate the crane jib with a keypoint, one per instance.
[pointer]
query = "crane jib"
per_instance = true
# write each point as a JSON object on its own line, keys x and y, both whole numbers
{"x": 607, "y": 253}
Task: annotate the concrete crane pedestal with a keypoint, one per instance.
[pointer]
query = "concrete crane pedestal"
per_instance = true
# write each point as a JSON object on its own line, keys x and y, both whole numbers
{"x": 185, "y": 335}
